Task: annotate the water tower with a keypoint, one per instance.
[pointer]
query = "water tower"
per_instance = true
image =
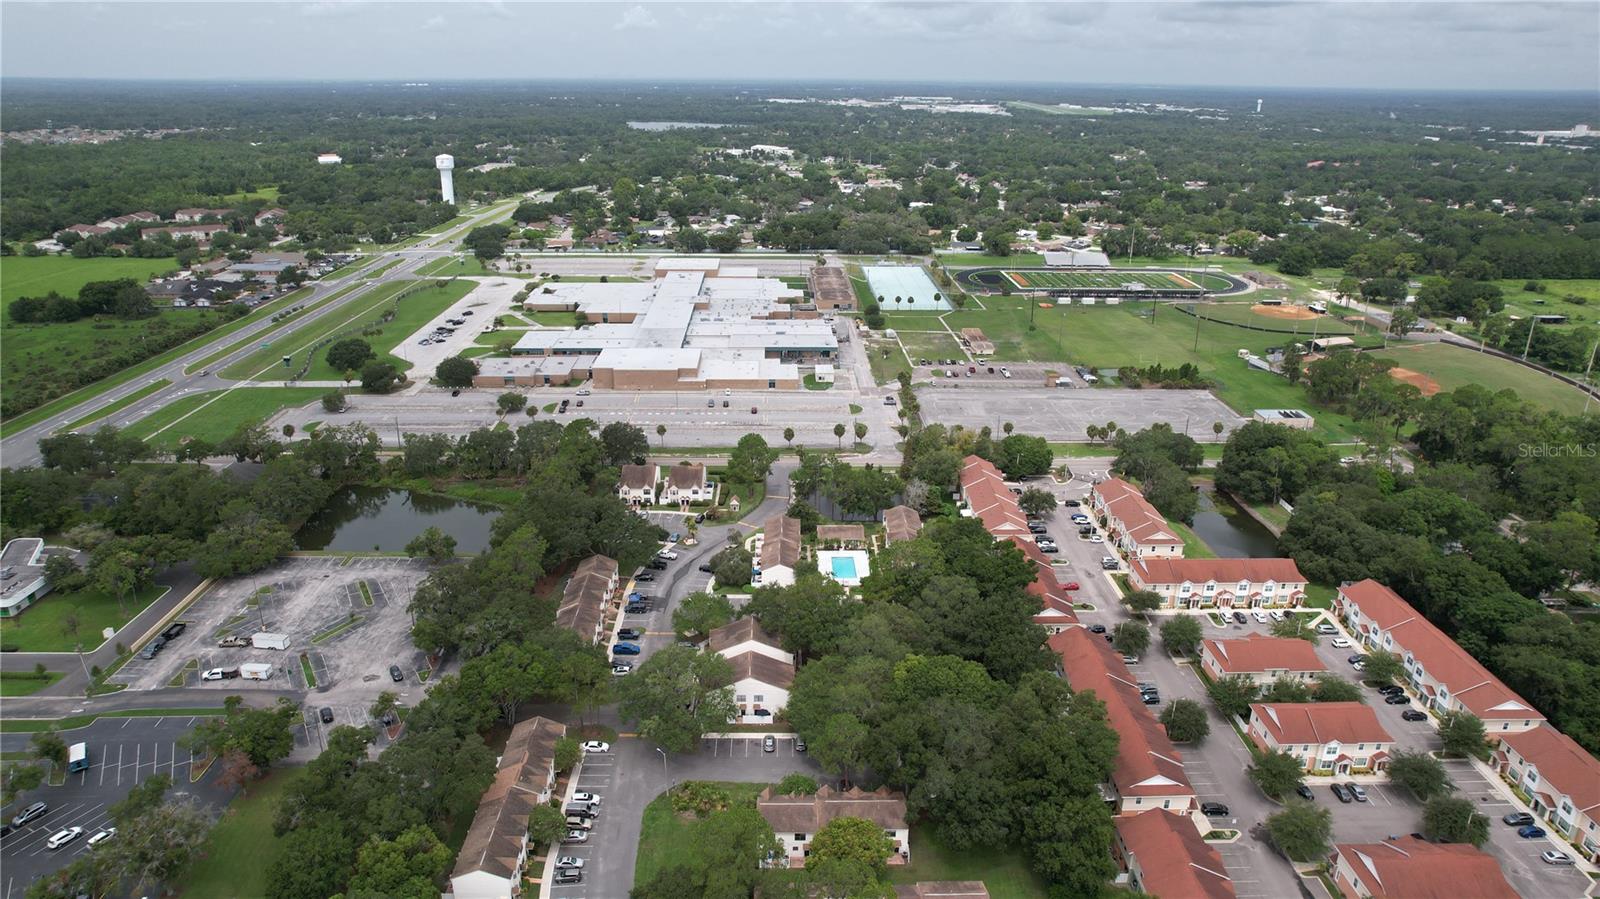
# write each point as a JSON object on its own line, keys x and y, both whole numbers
{"x": 446, "y": 165}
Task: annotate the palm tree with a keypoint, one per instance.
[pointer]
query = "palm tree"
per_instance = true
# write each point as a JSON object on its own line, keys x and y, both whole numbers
{"x": 838, "y": 431}
{"x": 1008, "y": 427}
{"x": 1217, "y": 428}
{"x": 861, "y": 431}
{"x": 661, "y": 432}
{"x": 897, "y": 301}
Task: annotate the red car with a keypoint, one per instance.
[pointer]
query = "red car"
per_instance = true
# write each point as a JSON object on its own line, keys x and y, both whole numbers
{"x": 1070, "y": 585}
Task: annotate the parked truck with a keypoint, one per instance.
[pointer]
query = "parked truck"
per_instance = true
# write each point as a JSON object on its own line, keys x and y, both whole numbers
{"x": 255, "y": 671}
{"x": 266, "y": 640}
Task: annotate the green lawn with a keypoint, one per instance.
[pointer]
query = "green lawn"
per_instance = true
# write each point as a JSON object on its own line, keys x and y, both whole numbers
{"x": 551, "y": 319}
{"x": 45, "y": 626}
{"x": 1193, "y": 546}
{"x": 213, "y": 419}
{"x": 1554, "y": 300}
{"x": 1005, "y": 873}
{"x": 290, "y": 323}
{"x": 666, "y": 839}
{"x": 268, "y": 193}
{"x": 1117, "y": 336}
{"x": 1454, "y": 366}
{"x": 25, "y": 684}
{"x": 886, "y": 359}
{"x": 32, "y": 276}
{"x": 381, "y": 269}
{"x": 466, "y": 265}
{"x": 266, "y": 362}
{"x": 241, "y": 848}
{"x": 930, "y": 344}
{"x": 415, "y": 310}
{"x": 1303, "y": 329}
{"x": 1319, "y": 596}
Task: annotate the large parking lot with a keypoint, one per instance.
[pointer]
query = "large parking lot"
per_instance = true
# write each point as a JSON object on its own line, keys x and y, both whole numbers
{"x": 1061, "y": 414}
{"x": 345, "y": 618}
{"x": 122, "y": 752}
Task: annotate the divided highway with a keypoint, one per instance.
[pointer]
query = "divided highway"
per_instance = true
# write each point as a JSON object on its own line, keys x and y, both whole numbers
{"x": 22, "y": 448}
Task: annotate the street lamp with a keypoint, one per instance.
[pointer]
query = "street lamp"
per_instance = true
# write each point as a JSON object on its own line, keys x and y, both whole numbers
{"x": 663, "y": 760}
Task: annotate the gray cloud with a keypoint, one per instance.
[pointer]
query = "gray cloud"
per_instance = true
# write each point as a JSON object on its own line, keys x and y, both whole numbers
{"x": 1399, "y": 45}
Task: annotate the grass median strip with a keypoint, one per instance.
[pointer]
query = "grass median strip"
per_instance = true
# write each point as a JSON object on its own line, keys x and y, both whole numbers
{"x": 214, "y": 415}
{"x": 119, "y": 405}
{"x": 266, "y": 360}
{"x": 341, "y": 627}
{"x": 34, "y": 725}
{"x": 288, "y": 322}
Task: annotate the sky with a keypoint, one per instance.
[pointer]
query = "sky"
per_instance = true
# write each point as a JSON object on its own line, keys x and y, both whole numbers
{"x": 1506, "y": 45}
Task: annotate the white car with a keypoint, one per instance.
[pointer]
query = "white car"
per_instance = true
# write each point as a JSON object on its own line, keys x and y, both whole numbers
{"x": 102, "y": 836}
{"x": 668, "y": 554}
{"x": 1096, "y": 538}
{"x": 1341, "y": 643}
{"x": 583, "y": 391}
{"x": 576, "y": 836}
{"x": 216, "y": 674}
{"x": 596, "y": 746}
{"x": 569, "y": 861}
{"x": 590, "y": 798}
{"x": 1259, "y": 616}
{"x": 1005, "y": 372}
{"x": 621, "y": 670}
{"x": 63, "y": 837}
{"x": 1275, "y": 615}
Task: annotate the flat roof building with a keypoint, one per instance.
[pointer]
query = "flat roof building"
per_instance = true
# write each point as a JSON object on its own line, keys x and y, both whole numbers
{"x": 21, "y": 575}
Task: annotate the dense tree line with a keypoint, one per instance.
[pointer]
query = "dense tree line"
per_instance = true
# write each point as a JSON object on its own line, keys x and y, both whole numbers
{"x": 1493, "y": 518}
{"x": 938, "y": 684}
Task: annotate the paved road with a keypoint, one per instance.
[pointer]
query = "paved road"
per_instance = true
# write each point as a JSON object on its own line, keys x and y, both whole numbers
{"x": 122, "y": 752}
{"x": 21, "y": 448}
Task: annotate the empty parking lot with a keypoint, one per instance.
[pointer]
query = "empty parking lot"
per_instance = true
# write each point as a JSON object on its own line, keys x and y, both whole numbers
{"x": 1061, "y": 414}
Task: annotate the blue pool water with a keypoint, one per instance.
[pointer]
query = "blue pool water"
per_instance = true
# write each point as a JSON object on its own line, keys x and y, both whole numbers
{"x": 844, "y": 568}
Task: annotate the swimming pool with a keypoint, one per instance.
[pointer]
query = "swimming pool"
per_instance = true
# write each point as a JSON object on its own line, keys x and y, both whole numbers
{"x": 847, "y": 566}
{"x": 844, "y": 568}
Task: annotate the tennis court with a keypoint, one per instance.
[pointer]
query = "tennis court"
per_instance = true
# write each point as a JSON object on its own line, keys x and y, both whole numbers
{"x": 908, "y": 282}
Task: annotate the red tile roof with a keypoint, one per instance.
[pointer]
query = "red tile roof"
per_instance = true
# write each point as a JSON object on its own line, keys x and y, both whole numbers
{"x": 1409, "y": 868}
{"x": 1147, "y": 764}
{"x": 1045, "y": 585}
{"x": 1172, "y": 858}
{"x": 1314, "y": 723}
{"x": 1222, "y": 571}
{"x": 1140, "y": 520}
{"x": 1563, "y": 765}
{"x": 1442, "y": 660}
{"x": 1259, "y": 653}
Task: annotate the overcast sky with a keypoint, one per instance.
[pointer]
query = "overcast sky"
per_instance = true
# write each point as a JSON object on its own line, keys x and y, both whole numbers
{"x": 1485, "y": 45}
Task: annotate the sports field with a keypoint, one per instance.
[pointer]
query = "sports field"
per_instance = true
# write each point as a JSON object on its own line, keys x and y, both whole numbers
{"x": 1106, "y": 280}
{"x": 1288, "y": 319}
{"x": 1440, "y": 366}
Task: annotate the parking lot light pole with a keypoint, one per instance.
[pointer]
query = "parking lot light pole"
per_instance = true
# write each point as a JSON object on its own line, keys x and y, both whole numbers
{"x": 663, "y": 760}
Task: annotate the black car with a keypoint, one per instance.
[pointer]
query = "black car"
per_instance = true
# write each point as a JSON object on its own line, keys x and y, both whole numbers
{"x": 706, "y": 568}
{"x": 1413, "y": 715}
{"x": 1097, "y": 628}
{"x": 1238, "y": 618}
{"x": 1304, "y": 792}
{"x": 1071, "y": 503}
{"x": 1396, "y": 699}
{"x": 629, "y": 633}
{"x": 1391, "y": 689}
{"x": 327, "y": 715}
{"x": 1358, "y": 657}
{"x": 1036, "y": 527}
{"x": 1213, "y": 810}
{"x": 657, "y": 565}
{"x": 637, "y": 608}
{"x": 1517, "y": 819}
{"x": 645, "y": 576}
{"x": 1342, "y": 792}
{"x": 1151, "y": 698}
{"x": 153, "y": 648}
{"x": 177, "y": 628}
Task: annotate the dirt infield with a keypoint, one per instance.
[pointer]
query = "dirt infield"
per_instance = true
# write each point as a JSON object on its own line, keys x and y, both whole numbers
{"x": 1422, "y": 382}
{"x": 1296, "y": 313}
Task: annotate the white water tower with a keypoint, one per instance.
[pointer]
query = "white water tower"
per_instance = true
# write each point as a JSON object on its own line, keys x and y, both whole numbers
{"x": 446, "y": 165}
{"x": 1258, "y": 106}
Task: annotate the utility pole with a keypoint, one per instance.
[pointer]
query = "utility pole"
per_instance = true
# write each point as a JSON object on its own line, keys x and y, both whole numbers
{"x": 1533, "y": 322}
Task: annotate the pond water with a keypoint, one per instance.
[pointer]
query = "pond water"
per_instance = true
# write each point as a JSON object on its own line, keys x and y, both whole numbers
{"x": 1230, "y": 532}
{"x": 385, "y": 519}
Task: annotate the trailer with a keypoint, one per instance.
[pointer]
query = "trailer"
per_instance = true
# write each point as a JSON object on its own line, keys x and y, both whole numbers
{"x": 266, "y": 640}
{"x": 255, "y": 671}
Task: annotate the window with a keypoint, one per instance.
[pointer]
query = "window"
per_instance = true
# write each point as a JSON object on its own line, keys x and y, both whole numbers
{"x": 1166, "y": 803}
{"x": 799, "y": 838}
{"x": 738, "y": 699}
{"x": 759, "y": 698}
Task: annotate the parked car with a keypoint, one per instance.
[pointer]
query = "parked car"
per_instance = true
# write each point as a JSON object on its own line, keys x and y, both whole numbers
{"x": 629, "y": 633}
{"x": 1413, "y": 715}
{"x": 671, "y": 555}
{"x": 1151, "y": 698}
{"x": 656, "y": 565}
{"x": 1358, "y": 791}
{"x": 1530, "y": 832}
{"x": 63, "y": 837}
{"x": 1304, "y": 792}
{"x": 31, "y": 813}
{"x": 1552, "y": 857}
{"x": 233, "y": 640}
{"x": 1071, "y": 585}
{"x": 1097, "y": 628}
{"x": 102, "y": 836}
{"x": 326, "y": 715}
{"x": 1036, "y": 527}
{"x": 625, "y": 649}
{"x": 1397, "y": 699}
{"x": 1259, "y": 616}
{"x": 590, "y": 798}
{"x": 799, "y": 745}
{"x": 1343, "y": 792}
{"x": 645, "y": 576}
{"x": 1110, "y": 563}
{"x": 568, "y": 861}
{"x": 889, "y": 400}
{"x": 769, "y": 743}
{"x": 1340, "y": 643}
{"x": 1357, "y": 657}
{"x": 1079, "y": 518}
{"x": 1517, "y": 819}
{"x": 1239, "y": 617}
{"x": 1049, "y": 548}
{"x": 395, "y": 674}
{"x": 153, "y": 648}
{"x": 621, "y": 670}
{"x": 706, "y": 568}
{"x": 1213, "y": 810}
{"x": 1326, "y": 628}
{"x": 596, "y": 746}
{"x": 576, "y": 836}
{"x": 1275, "y": 615}
{"x": 176, "y": 628}
{"x": 1096, "y": 538}
{"x": 1391, "y": 689}
{"x": 220, "y": 674}
{"x": 1071, "y": 503}
{"x": 711, "y": 404}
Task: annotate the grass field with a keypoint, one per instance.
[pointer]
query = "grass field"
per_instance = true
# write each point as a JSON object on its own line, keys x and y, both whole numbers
{"x": 1243, "y": 313}
{"x": 930, "y": 344}
{"x": 1063, "y": 280}
{"x": 1454, "y": 367}
{"x": 666, "y": 839}
{"x": 268, "y": 193}
{"x": 46, "y": 626}
{"x": 1117, "y": 336}
{"x": 241, "y": 848}
{"x": 1554, "y": 300}
{"x": 299, "y": 339}
{"x": 31, "y": 276}
{"x": 886, "y": 359}
{"x": 415, "y": 311}
{"x": 216, "y": 414}
{"x": 381, "y": 269}
{"x": 1005, "y": 873}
